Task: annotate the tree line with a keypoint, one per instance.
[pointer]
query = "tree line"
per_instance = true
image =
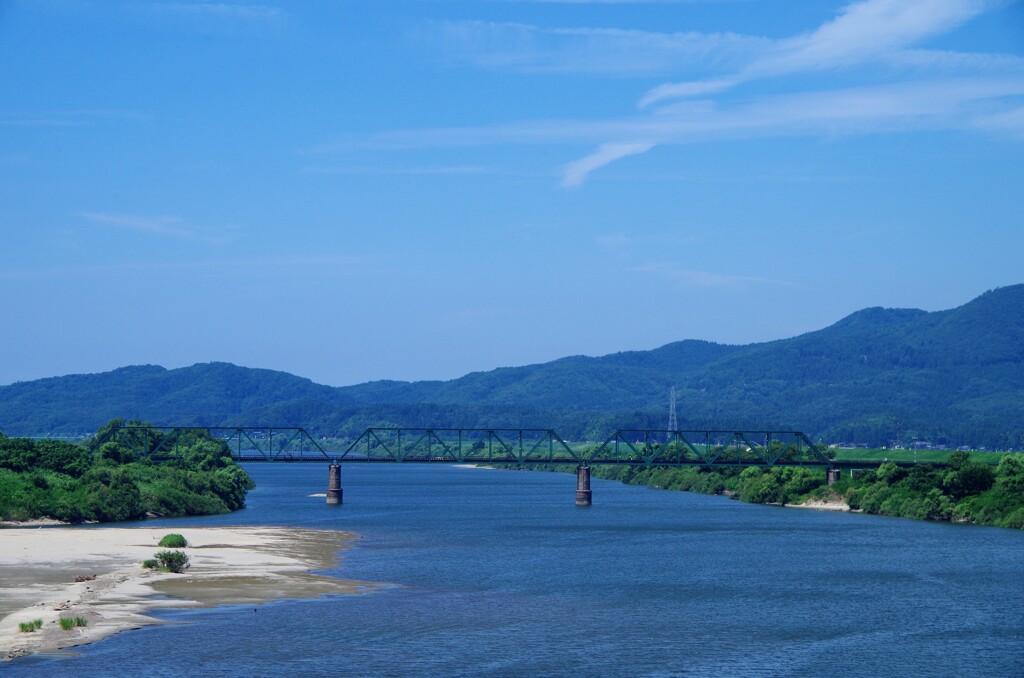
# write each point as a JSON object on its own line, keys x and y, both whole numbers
{"x": 115, "y": 482}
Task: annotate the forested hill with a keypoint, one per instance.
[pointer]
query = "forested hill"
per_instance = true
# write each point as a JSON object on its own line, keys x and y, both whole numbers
{"x": 953, "y": 377}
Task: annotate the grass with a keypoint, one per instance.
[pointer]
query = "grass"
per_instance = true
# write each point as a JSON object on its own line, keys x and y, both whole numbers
{"x": 68, "y": 623}
{"x": 29, "y": 627}
{"x": 173, "y": 541}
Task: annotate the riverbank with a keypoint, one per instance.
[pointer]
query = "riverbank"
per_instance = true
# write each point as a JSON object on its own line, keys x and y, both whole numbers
{"x": 835, "y": 504}
{"x": 236, "y": 565}
{"x": 962, "y": 491}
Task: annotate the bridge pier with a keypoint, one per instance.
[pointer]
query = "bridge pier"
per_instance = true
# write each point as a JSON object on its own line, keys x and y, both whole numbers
{"x": 583, "y": 493}
{"x": 334, "y": 490}
{"x": 832, "y": 476}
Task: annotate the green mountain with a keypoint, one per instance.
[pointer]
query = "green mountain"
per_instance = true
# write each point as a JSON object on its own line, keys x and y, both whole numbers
{"x": 202, "y": 395}
{"x": 951, "y": 377}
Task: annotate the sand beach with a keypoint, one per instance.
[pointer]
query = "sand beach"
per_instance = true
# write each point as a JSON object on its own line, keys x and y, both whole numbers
{"x": 228, "y": 565}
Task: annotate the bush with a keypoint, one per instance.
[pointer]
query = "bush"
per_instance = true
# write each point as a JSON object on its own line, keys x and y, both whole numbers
{"x": 173, "y": 541}
{"x": 151, "y": 563}
{"x": 172, "y": 561}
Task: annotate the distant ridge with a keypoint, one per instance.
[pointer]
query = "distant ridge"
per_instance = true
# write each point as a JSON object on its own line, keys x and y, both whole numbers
{"x": 953, "y": 377}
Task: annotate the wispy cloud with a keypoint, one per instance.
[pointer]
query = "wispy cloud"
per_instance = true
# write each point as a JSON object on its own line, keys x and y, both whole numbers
{"x": 603, "y": 51}
{"x": 864, "y": 32}
{"x": 951, "y": 103}
{"x": 893, "y": 83}
{"x": 226, "y": 18}
{"x": 576, "y": 172}
{"x": 220, "y": 10}
{"x": 1011, "y": 121}
{"x": 452, "y": 170}
{"x": 697, "y": 278}
{"x": 70, "y": 118}
{"x": 164, "y": 226}
{"x": 343, "y": 265}
{"x": 614, "y": 242}
{"x": 632, "y": 2}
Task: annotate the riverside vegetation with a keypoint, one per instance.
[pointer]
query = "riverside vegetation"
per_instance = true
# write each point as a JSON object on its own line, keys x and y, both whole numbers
{"x": 962, "y": 491}
{"x": 63, "y": 481}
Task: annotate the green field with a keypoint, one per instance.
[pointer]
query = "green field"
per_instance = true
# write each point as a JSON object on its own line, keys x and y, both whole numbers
{"x": 910, "y": 455}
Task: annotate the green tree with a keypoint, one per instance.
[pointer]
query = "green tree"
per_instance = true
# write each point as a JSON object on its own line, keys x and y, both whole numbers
{"x": 121, "y": 499}
{"x": 1010, "y": 473}
{"x": 889, "y": 473}
{"x": 971, "y": 478}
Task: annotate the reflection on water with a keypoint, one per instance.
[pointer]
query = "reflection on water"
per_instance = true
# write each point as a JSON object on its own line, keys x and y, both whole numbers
{"x": 498, "y": 573}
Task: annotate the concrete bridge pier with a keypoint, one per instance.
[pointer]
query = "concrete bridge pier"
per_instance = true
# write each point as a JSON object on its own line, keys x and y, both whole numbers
{"x": 334, "y": 490}
{"x": 832, "y": 476}
{"x": 583, "y": 493}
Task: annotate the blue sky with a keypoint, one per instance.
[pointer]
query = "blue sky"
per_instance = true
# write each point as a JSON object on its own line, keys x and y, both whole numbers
{"x": 417, "y": 189}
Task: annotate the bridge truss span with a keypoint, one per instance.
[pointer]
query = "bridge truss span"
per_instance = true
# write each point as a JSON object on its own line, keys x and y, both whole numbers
{"x": 651, "y": 447}
{"x": 247, "y": 443}
{"x": 461, "y": 445}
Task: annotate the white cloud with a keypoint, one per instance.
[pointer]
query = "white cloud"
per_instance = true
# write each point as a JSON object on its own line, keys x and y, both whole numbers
{"x": 576, "y": 172}
{"x": 450, "y": 170}
{"x": 220, "y": 11}
{"x": 698, "y": 278}
{"x": 69, "y": 118}
{"x": 166, "y": 226}
{"x": 949, "y": 103}
{"x": 593, "y": 51}
{"x": 633, "y": 2}
{"x": 614, "y": 242}
{"x": 875, "y": 41}
{"x": 259, "y": 266}
{"x": 216, "y": 18}
{"x": 1011, "y": 121}
{"x": 865, "y": 31}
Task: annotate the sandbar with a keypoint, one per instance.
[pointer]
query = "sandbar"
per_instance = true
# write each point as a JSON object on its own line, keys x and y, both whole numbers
{"x": 228, "y": 565}
{"x": 832, "y": 504}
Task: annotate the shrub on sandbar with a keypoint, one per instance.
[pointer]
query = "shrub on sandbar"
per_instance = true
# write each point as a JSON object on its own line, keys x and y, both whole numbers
{"x": 173, "y": 541}
{"x": 172, "y": 561}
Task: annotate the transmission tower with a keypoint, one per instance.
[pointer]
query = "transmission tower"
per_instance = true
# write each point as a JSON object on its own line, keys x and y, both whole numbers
{"x": 673, "y": 424}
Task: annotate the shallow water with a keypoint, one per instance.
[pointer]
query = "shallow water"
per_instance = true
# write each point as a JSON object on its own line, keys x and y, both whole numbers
{"x": 498, "y": 573}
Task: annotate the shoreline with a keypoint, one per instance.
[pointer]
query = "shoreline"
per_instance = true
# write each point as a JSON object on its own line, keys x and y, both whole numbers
{"x": 228, "y": 566}
{"x": 824, "y": 505}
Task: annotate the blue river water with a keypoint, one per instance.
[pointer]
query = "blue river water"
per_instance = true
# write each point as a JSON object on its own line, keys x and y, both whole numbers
{"x": 497, "y": 573}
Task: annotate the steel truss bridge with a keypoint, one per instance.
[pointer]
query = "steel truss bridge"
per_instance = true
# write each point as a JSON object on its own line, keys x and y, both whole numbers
{"x": 513, "y": 446}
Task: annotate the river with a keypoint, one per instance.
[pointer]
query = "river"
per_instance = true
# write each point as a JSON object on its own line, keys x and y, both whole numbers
{"x": 497, "y": 573}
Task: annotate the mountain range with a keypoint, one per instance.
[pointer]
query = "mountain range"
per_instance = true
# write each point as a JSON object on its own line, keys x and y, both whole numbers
{"x": 879, "y": 375}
